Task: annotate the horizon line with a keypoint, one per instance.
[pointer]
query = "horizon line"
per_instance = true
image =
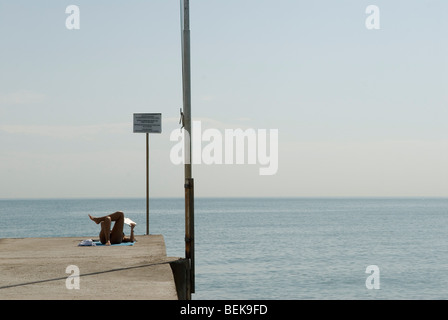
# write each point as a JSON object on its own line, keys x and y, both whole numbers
{"x": 226, "y": 197}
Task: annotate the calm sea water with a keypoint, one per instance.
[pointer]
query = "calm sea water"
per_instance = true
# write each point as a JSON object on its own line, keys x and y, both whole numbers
{"x": 276, "y": 248}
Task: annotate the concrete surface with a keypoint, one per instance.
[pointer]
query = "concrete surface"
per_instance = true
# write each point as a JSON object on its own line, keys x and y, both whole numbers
{"x": 35, "y": 268}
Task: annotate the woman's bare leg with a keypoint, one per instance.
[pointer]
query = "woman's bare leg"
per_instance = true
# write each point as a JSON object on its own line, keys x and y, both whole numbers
{"x": 116, "y": 235}
{"x": 106, "y": 235}
{"x": 105, "y": 231}
{"x": 113, "y": 216}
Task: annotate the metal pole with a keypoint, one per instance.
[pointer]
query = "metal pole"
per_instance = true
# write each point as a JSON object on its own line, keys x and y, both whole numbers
{"x": 189, "y": 186}
{"x": 191, "y": 208}
{"x": 186, "y": 75}
{"x": 147, "y": 183}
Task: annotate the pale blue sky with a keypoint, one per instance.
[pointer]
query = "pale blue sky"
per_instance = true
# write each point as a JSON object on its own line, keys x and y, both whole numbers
{"x": 359, "y": 112}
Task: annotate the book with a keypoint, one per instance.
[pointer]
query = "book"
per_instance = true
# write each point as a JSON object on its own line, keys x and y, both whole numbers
{"x": 129, "y": 221}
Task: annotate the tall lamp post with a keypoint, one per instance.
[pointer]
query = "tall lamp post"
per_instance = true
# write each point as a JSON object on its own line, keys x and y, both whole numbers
{"x": 189, "y": 182}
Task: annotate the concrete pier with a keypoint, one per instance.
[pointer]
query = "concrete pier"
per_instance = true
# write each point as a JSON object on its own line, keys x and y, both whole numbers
{"x": 35, "y": 268}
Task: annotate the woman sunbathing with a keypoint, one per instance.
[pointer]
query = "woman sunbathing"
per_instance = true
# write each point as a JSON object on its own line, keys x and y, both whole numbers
{"x": 116, "y": 235}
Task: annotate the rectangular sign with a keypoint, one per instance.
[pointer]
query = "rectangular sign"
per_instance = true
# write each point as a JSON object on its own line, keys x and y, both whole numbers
{"x": 147, "y": 123}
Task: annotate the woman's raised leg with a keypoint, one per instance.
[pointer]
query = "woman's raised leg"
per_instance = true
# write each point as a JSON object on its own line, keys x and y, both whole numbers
{"x": 106, "y": 235}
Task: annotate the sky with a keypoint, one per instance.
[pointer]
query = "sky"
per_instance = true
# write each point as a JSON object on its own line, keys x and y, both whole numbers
{"x": 359, "y": 112}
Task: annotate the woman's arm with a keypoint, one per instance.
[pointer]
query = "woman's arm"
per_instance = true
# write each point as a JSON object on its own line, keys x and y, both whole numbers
{"x": 131, "y": 238}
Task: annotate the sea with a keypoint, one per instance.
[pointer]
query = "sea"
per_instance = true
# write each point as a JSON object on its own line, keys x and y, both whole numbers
{"x": 276, "y": 248}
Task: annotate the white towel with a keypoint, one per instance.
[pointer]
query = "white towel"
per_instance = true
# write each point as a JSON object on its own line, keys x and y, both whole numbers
{"x": 87, "y": 243}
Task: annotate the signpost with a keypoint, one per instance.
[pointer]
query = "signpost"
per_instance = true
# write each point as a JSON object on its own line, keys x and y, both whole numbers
{"x": 147, "y": 123}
